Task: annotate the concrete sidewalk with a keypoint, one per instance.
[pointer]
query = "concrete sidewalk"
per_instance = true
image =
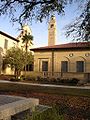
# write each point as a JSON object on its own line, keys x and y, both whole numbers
{"x": 46, "y": 85}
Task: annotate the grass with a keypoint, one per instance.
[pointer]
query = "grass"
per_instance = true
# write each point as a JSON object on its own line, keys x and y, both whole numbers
{"x": 48, "y": 114}
{"x": 22, "y": 88}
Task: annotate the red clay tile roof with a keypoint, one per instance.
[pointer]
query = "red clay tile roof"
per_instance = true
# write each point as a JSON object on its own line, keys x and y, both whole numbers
{"x": 65, "y": 46}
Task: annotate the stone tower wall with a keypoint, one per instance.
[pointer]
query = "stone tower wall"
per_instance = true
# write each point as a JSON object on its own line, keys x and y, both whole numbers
{"x": 52, "y": 31}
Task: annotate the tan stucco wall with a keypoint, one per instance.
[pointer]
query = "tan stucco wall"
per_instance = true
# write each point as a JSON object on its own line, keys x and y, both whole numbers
{"x": 11, "y": 43}
{"x": 70, "y": 56}
{"x": 77, "y": 56}
{"x": 39, "y": 57}
{"x": 52, "y": 32}
{"x": 8, "y": 71}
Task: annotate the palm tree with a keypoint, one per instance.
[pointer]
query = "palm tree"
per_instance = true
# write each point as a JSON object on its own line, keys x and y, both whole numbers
{"x": 27, "y": 39}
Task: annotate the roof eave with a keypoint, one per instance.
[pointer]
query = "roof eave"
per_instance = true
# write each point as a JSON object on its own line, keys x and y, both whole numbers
{"x": 9, "y": 36}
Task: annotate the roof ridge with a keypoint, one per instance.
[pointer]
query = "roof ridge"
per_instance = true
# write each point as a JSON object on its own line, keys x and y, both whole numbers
{"x": 67, "y": 45}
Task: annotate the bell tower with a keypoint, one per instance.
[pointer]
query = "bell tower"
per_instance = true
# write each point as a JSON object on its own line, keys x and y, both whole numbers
{"x": 52, "y": 31}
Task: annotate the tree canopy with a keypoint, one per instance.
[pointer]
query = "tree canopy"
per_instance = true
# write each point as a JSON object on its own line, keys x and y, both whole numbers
{"x": 27, "y": 39}
{"x": 22, "y": 10}
{"x": 17, "y": 59}
{"x": 80, "y": 28}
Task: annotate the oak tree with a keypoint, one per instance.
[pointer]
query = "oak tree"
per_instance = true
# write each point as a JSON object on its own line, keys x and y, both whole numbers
{"x": 16, "y": 58}
{"x": 22, "y": 10}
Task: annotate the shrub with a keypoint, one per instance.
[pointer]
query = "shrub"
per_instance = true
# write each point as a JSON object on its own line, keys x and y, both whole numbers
{"x": 66, "y": 81}
{"x": 53, "y": 79}
{"x": 42, "y": 79}
{"x": 74, "y": 80}
{"x": 28, "y": 77}
{"x": 38, "y": 78}
{"x": 14, "y": 79}
{"x": 50, "y": 114}
{"x": 23, "y": 77}
{"x": 58, "y": 79}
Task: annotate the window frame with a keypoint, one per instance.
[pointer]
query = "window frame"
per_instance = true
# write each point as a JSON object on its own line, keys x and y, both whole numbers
{"x": 64, "y": 63}
{"x": 6, "y": 44}
{"x": 78, "y": 67}
{"x": 43, "y": 67}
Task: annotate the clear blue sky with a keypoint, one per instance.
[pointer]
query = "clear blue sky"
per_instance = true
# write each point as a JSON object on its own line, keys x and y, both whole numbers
{"x": 40, "y": 30}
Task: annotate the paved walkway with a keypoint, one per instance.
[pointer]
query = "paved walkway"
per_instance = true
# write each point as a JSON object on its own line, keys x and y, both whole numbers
{"x": 47, "y": 85}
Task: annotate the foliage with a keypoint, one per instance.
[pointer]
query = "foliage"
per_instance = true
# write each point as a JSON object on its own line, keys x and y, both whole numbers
{"x": 17, "y": 59}
{"x": 28, "y": 10}
{"x": 50, "y": 114}
{"x": 31, "y": 9}
{"x": 27, "y": 39}
{"x": 60, "y": 110}
{"x": 80, "y": 28}
{"x": 57, "y": 81}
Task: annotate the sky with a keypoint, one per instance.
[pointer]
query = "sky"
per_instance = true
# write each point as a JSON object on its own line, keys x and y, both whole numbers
{"x": 40, "y": 30}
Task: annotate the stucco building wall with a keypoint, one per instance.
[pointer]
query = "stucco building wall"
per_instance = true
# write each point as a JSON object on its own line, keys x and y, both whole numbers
{"x": 11, "y": 42}
{"x": 67, "y": 60}
{"x": 55, "y": 59}
{"x": 72, "y": 57}
{"x": 39, "y": 57}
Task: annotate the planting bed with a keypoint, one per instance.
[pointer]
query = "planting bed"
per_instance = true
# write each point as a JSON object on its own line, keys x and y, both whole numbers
{"x": 72, "y": 107}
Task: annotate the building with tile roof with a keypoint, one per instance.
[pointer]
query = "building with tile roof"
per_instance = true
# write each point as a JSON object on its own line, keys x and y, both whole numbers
{"x": 6, "y": 42}
{"x": 70, "y": 60}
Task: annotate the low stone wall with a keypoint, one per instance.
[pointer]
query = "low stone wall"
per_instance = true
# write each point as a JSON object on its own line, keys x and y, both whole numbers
{"x": 11, "y": 105}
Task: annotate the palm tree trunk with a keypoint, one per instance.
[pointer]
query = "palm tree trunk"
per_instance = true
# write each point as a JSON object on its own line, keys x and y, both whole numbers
{"x": 26, "y": 47}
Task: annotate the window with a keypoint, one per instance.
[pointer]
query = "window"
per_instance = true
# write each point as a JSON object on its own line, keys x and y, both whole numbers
{"x": 52, "y": 25}
{"x": 64, "y": 66}
{"x": 6, "y": 44}
{"x": 44, "y": 65}
{"x": 29, "y": 67}
{"x": 80, "y": 66}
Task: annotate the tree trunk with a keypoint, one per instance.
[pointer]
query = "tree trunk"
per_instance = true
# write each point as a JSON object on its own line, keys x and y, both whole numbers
{"x": 17, "y": 73}
{"x": 26, "y": 56}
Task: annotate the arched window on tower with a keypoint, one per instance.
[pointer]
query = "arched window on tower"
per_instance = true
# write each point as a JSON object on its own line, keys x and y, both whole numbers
{"x": 52, "y": 25}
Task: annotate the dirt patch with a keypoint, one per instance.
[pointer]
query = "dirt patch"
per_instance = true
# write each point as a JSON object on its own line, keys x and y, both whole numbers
{"x": 73, "y": 107}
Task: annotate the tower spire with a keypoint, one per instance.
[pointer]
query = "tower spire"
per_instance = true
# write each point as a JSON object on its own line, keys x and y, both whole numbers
{"x": 52, "y": 31}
